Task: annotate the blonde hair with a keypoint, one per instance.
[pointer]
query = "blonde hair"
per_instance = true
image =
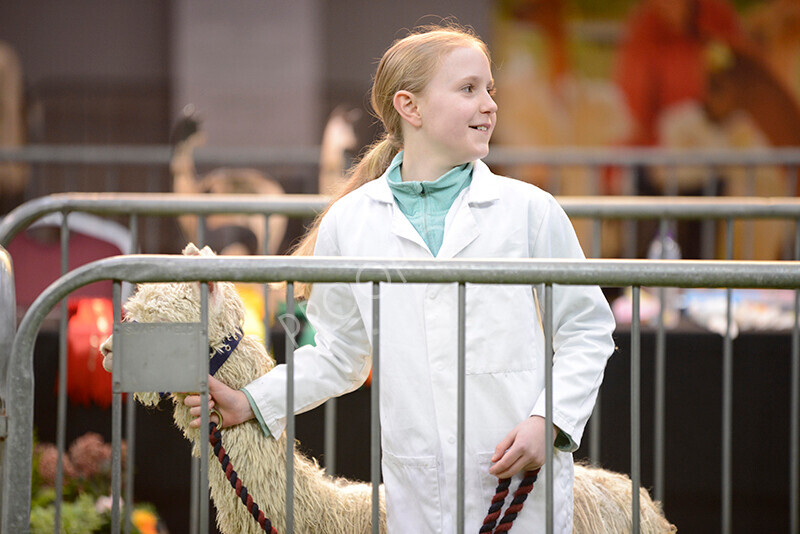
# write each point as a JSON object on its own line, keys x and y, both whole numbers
{"x": 409, "y": 64}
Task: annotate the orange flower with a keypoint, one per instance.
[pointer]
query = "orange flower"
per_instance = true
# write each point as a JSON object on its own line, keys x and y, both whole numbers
{"x": 145, "y": 521}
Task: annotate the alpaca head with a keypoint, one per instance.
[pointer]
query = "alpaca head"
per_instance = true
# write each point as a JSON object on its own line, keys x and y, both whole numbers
{"x": 179, "y": 302}
{"x": 188, "y": 127}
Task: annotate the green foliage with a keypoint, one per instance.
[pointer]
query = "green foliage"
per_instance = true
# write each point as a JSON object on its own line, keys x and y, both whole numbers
{"x": 85, "y": 507}
{"x": 77, "y": 517}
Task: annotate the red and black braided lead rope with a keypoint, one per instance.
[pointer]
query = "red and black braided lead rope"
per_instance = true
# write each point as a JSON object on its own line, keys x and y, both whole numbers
{"x": 525, "y": 487}
{"x": 215, "y": 438}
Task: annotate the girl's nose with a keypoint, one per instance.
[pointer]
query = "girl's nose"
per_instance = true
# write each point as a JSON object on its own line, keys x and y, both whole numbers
{"x": 489, "y": 105}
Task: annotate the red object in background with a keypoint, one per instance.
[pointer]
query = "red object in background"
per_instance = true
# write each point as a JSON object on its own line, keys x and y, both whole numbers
{"x": 91, "y": 321}
{"x": 37, "y": 263}
{"x": 662, "y": 61}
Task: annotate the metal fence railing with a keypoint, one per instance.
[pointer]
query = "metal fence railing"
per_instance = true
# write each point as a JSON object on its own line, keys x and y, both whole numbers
{"x": 613, "y": 273}
{"x": 568, "y": 171}
{"x": 595, "y": 209}
{"x": 554, "y": 158}
{"x": 8, "y": 325}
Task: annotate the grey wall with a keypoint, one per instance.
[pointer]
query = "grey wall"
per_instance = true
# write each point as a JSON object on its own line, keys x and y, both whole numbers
{"x": 79, "y": 39}
{"x": 357, "y": 32}
{"x": 253, "y": 68}
{"x": 261, "y": 72}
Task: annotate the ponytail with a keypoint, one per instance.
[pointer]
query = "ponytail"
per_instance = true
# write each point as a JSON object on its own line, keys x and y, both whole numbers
{"x": 372, "y": 165}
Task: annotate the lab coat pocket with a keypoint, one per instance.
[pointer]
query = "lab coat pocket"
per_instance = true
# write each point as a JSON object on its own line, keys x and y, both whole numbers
{"x": 412, "y": 491}
{"x": 488, "y": 482}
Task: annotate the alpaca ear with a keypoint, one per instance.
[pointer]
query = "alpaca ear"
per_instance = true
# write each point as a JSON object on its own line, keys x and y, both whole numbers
{"x": 191, "y": 250}
{"x": 211, "y": 287}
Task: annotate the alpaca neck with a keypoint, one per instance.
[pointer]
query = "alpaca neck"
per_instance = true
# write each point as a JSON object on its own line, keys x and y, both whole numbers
{"x": 183, "y": 171}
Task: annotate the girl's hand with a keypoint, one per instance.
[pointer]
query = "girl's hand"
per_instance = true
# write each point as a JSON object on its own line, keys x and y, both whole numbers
{"x": 522, "y": 449}
{"x": 230, "y": 403}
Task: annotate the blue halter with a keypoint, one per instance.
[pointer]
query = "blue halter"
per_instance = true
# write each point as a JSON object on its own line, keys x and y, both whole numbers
{"x": 221, "y": 355}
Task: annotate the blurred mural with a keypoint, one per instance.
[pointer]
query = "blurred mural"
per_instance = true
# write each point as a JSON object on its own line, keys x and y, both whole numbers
{"x": 689, "y": 74}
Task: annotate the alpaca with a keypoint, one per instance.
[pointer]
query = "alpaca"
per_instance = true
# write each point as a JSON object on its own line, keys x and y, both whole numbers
{"x": 338, "y": 137}
{"x": 322, "y": 504}
{"x": 227, "y": 233}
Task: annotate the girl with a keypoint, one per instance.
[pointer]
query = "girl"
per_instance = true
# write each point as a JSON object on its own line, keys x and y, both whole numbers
{"x": 423, "y": 192}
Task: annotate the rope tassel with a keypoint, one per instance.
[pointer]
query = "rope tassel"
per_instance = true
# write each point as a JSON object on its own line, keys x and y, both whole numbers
{"x": 513, "y": 510}
{"x": 215, "y": 438}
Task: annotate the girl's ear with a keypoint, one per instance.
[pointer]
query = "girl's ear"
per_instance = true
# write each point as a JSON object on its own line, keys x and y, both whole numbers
{"x": 405, "y": 102}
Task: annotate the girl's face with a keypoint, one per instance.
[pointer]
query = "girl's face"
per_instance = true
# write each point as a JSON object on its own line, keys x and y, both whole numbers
{"x": 457, "y": 110}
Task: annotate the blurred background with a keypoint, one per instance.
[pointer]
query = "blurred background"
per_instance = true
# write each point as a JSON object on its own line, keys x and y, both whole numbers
{"x": 596, "y": 99}
{"x": 572, "y": 75}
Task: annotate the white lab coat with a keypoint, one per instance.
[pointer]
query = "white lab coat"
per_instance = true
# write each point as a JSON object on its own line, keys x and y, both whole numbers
{"x": 494, "y": 217}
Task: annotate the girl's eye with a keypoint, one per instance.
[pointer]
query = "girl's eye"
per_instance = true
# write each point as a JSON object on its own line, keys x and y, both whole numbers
{"x": 467, "y": 88}
{"x": 492, "y": 90}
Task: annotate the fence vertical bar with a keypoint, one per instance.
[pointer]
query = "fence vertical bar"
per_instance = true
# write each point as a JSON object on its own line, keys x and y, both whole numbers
{"x": 112, "y": 181}
{"x": 749, "y": 225}
{"x": 130, "y": 409}
{"x": 61, "y": 417}
{"x": 153, "y": 233}
{"x": 290, "y": 420}
{"x": 636, "y": 399}
{"x": 70, "y": 182}
{"x": 116, "y": 429}
{"x": 671, "y": 189}
{"x": 548, "y": 406}
{"x": 329, "y": 448}
{"x": 708, "y": 227}
{"x": 660, "y": 370}
{"x": 461, "y": 399}
{"x": 794, "y": 419}
{"x": 594, "y": 421}
{"x": 630, "y": 227}
{"x": 204, "y": 414}
{"x": 201, "y": 230}
{"x": 727, "y": 395}
{"x": 194, "y": 495}
{"x": 375, "y": 408}
{"x": 555, "y": 179}
{"x": 265, "y": 287}
{"x": 8, "y": 324}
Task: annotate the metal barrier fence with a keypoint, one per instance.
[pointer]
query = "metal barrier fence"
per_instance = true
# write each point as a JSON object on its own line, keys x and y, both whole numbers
{"x": 8, "y": 325}
{"x": 553, "y": 157}
{"x": 615, "y": 273}
{"x": 598, "y": 209}
{"x": 568, "y": 171}
{"x": 708, "y": 167}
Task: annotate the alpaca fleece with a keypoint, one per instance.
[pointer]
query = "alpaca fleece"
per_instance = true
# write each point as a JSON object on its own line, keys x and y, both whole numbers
{"x": 602, "y": 503}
